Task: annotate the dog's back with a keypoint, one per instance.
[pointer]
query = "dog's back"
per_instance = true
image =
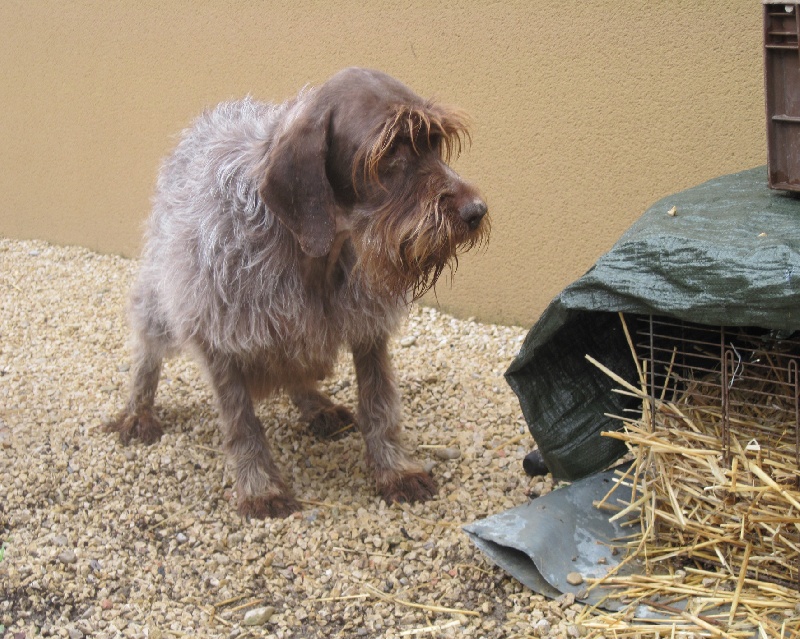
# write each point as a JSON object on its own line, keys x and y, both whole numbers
{"x": 216, "y": 261}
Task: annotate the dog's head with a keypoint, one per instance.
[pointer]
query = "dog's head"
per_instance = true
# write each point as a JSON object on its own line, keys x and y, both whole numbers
{"x": 368, "y": 157}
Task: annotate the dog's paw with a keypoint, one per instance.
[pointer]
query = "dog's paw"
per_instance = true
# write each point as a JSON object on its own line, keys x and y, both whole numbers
{"x": 261, "y": 507}
{"x": 333, "y": 422}
{"x": 144, "y": 426}
{"x": 408, "y": 487}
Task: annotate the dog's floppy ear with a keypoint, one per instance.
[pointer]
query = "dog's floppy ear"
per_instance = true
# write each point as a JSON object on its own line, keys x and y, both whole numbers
{"x": 295, "y": 186}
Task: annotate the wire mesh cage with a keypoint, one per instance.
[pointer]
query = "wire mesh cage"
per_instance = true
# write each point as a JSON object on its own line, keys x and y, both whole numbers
{"x": 746, "y": 378}
{"x": 717, "y": 448}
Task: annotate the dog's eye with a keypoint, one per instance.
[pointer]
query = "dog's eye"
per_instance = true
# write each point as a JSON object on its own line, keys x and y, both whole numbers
{"x": 395, "y": 156}
{"x": 392, "y": 150}
{"x": 428, "y": 142}
{"x": 436, "y": 144}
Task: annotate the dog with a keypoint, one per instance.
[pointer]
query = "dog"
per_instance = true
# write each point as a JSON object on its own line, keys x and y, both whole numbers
{"x": 281, "y": 233}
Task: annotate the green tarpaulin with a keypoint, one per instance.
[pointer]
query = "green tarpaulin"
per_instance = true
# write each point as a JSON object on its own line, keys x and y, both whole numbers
{"x": 728, "y": 256}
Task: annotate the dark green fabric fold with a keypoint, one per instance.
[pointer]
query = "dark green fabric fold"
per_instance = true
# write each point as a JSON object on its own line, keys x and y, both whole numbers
{"x": 729, "y": 256}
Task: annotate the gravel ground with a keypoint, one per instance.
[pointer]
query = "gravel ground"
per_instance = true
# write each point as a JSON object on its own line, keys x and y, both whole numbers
{"x": 103, "y": 540}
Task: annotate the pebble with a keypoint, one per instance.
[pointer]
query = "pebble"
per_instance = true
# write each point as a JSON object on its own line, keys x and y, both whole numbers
{"x": 60, "y": 540}
{"x": 539, "y": 488}
{"x": 222, "y": 560}
{"x": 410, "y": 340}
{"x": 68, "y": 557}
{"x": 567, "y": 599}
{"x": 258, "y": 616}
{"x": 574, "y": 579}
{"x": 447, "y": 453}
{"x": 542, "y": 628}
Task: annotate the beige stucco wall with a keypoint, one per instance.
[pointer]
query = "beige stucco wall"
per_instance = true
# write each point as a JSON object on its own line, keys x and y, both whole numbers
{"x": 584, "y": 112}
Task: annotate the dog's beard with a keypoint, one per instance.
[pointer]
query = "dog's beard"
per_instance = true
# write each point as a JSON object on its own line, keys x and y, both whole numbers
{"x": 404, "y": 253}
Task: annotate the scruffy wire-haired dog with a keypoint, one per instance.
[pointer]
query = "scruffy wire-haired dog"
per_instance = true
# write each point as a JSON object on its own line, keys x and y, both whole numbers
{"x": 280, "y": 233}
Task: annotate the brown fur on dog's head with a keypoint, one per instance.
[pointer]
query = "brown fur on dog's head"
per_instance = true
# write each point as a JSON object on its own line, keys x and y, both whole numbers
{"x": 415, "y": 231}
{"x": 425, "y": 127}
{"x": 369, "y": 157}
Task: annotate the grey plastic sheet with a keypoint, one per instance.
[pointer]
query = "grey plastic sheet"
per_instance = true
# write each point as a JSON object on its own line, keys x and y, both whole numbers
{"x": 553, "y": 536}
{"x": 543, "y": 541}
{"x": 540, "y": 543}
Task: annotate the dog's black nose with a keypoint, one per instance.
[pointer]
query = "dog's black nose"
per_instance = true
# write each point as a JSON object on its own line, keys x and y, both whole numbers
{"x": 472, "y": 213}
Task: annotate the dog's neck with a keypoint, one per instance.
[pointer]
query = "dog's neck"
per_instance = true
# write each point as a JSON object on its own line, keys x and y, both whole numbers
{"x": 333, "y": 257}
{"x": 343, "y": 232}
{"x": 326, "y": 273}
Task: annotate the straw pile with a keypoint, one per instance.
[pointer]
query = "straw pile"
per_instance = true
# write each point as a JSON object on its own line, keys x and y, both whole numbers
{"x": 720, "y": 542}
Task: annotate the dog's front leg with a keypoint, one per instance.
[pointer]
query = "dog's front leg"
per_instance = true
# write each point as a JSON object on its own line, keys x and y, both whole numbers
{"x": 260, "y": 488}
{"x": 398, "y": 476}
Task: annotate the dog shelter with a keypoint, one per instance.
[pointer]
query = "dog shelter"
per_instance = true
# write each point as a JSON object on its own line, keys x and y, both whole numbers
{"x": 707, "y": 287}
{"x": 677, "y": 352}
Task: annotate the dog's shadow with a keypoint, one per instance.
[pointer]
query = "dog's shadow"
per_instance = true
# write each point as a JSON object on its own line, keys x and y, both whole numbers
{"x": 194, "y": 428}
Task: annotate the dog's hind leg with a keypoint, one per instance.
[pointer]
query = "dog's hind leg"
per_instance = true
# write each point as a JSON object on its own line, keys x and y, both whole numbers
{"x": 399, "y": 478}
{"x": 138, "y": 420}
{"x": 325, "y": 419}
{"x": 260, "y": 488}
